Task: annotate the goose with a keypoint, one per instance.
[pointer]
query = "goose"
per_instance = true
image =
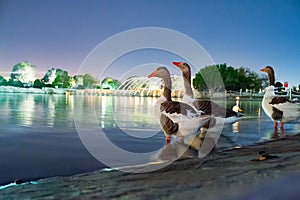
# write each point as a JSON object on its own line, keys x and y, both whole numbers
{"x": 176, "y": 118}
{"x": 227, "y": 116}
{"x": 279, "y": 109}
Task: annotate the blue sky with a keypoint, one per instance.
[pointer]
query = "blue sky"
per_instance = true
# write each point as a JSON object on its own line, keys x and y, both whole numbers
{"x": 61, "y": 33}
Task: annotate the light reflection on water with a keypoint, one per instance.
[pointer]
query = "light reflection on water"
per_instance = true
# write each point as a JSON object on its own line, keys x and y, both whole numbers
{"x": 133, "y": 115}
{"x": 36, "y": 110}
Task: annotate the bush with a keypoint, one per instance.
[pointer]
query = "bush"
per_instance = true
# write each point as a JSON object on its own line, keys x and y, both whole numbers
{"x": 18, "y": 84}
{"x": 38, "y": 84}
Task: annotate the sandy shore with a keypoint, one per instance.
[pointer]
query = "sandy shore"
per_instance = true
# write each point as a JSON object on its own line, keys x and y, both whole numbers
{"x": 232, "y": 174}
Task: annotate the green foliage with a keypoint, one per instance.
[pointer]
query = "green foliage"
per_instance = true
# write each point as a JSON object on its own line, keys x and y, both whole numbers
{"x": 110, "y": 83}
{"x": 11, "y": 82}
{"x": 62, "y": 80}
{"x": 199, "y": 83}
{"x": 89, "y": 81}
{"x": 38, "y": 84}
{"x": 208, "y": 78}
{"x": 85, "y": 81}
{"x": 24, "y": 72}
{"x": 18, "y": 84}
{"x": 49, "y": 76}
{"x": 233, "y": 79}
{"x": 3, "y": 81}
{"x": 78, "y": 81}
{"x": 249, "y": 79}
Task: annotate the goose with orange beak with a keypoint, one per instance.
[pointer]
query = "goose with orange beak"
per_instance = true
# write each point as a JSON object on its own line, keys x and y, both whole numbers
{"x": 222, "y": 114}
{"x": 176, "y": 118}
{"x": 279, "y": 109}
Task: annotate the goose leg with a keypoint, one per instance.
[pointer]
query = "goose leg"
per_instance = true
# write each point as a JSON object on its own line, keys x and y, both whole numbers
{"x": 168, "y": 139}
{"x": 275, "y": 125}
{"x": 281, "y": 125}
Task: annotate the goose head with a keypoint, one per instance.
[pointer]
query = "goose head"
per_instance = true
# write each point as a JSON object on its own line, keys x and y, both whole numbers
{"x": 160, "y": 72}
{"x": 164, "y": 74}
{"x": 186, "y": 74}
{"x": 184, "y": 67}
{"x": 271, "y": 75}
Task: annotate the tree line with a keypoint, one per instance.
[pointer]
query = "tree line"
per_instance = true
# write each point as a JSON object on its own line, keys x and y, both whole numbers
{"x": 23, "y": 75}
{"x": 229, "y": 79}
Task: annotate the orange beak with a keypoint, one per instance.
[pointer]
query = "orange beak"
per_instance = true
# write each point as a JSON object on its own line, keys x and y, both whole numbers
{"x": 263, "y": 70}
{"x": 153, "y": 74}
{"x": 177, "y": 64}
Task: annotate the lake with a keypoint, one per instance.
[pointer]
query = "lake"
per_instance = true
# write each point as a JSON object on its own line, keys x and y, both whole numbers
{"x": 44, "y": 135}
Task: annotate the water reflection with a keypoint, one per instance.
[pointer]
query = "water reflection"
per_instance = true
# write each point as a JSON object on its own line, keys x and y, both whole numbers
{"x": 274, "y": 135}
{"x": 50, "y": 113}
{"x": 132, "y": 115}
{"x": 135, "y": 113}
{"x": 235, "y": 127}
{"x": 35, "y": 110}
{"x": 27, "y": 116}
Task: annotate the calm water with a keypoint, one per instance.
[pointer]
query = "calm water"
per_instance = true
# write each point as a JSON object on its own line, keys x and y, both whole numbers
{"x": 38, "y": 136}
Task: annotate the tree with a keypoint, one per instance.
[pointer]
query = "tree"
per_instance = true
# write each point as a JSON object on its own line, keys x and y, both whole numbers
{"x": 11, "y": 82}
{"x": 89, "y": 81}
{"x": 18, "y": 84}
{"x": 110, "y": 83}
{"x": 230, "y": 78}
{"x": 57, "y": 78}
{"x": 208, "y": 78}
{"x": 38, "y": 84}
{"x": 49, "y": 76}
{"x": 199, "y": 83}
{"x": 3, "y": 81}
{"x": 250, "y": 80}
{"x": 24, "y": 72}
{"x": 62, "y": 79}
{"x": 78, "y": 81}
{"x": 233, "y": 79}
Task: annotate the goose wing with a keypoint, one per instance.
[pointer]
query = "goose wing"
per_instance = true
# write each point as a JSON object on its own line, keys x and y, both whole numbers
{"x": 211, "y": 108}
{"x": 284, "y": 104}
{"x": 183, "y": 114}
{"x": 283, "y": 107}
{"x": 175, "y": 107}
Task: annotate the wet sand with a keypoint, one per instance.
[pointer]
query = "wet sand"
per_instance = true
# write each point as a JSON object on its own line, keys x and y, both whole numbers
{"x": 231, "y": 174}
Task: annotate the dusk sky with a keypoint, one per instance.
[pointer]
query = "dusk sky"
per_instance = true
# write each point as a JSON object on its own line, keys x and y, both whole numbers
{"x": 61, "y": 33}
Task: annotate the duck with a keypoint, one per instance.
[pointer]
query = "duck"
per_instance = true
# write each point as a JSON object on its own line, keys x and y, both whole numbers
{"x": 263, "y": 155}
{"x": 176, "y": 118}
{"x": 222, "y": 115}
{"x": 278, "y": 109}
{"x": 236, "y": 108}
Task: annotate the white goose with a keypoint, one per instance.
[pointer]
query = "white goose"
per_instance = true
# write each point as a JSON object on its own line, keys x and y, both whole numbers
{"x": 176, "y": 118}
{"x": 279, "y": 109}
{"x": 224, "y": 115}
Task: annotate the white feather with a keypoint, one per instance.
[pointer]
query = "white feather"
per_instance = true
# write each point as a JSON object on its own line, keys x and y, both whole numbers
{"x": 190, "y": 100}
{"x": 288, "y": 107}
{"x": 269, "y": 94}
{"x": 187, "y": 124}
{"x": 291, "y": 111}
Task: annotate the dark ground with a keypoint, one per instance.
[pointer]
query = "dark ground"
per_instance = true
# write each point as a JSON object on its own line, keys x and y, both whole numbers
{"x": 232, "y": 174}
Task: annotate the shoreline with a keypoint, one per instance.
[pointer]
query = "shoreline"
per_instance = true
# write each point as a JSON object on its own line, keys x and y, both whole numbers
{"x": 105, "y": 92}
{"x": 236, "y": 170}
